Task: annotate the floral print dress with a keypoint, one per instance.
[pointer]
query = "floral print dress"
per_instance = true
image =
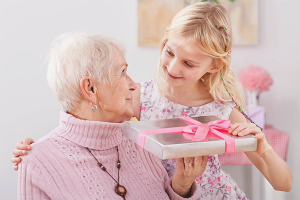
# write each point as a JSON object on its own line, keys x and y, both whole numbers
{"x": 214, "y": 182}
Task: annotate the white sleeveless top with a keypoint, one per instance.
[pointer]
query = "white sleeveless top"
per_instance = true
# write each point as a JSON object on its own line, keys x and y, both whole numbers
{"x": 215, "y": 183}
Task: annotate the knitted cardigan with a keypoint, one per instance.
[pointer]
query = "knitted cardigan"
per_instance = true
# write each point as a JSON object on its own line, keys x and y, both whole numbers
{"x": 60, "y": 167}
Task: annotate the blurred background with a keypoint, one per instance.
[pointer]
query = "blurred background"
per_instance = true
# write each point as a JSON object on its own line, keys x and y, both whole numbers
{"x": 28, "y": 108}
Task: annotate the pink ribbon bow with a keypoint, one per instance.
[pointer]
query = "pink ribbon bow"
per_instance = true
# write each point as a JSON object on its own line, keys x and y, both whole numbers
{"x": 196, "y": 131}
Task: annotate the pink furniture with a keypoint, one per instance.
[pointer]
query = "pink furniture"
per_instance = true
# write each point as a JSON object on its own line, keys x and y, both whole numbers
{"x": 277, "y": 139}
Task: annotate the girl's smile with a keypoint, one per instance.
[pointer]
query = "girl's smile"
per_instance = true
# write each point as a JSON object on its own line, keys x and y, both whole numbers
{"x": 173, "y": 77}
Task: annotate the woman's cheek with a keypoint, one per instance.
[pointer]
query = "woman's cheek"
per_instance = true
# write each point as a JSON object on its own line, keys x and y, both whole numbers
{"x": 121, "y": 89}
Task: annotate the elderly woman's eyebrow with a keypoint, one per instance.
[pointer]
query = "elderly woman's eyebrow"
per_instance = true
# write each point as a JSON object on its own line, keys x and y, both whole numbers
{"x": 123, "y": 65}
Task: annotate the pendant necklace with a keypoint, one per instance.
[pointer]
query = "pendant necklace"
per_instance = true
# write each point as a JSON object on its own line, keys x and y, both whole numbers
{"x": 119, "y": 189}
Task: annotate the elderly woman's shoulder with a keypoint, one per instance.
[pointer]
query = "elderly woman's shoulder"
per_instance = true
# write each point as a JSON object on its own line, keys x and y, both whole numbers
{"x": 48, "y": 147}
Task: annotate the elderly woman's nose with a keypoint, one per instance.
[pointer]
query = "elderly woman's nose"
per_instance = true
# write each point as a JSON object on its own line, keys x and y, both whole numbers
{"x": 131, "y": 83}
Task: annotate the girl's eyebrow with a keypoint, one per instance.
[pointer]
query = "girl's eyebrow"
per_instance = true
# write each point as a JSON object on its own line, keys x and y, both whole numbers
{"x": 169, "y": 47}
{"x": 192, "y": 61}
{"x": 184, "y": 59}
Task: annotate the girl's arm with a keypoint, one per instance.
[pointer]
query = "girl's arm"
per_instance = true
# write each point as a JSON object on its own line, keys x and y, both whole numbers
{"x": 274, "y": 168}
{"x": 136, "y": 102}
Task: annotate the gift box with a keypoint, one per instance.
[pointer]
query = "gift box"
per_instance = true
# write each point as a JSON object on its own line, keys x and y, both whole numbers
{"x": 187, "y": 137}
{"x": 257, "y": 115}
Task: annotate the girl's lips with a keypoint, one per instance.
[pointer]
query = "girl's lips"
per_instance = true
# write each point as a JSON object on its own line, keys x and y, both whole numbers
{"x": 174, "y": 77}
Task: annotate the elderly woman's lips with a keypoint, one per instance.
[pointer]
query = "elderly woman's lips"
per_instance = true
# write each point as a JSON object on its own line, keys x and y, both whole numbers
{"x": 130, "y": 100}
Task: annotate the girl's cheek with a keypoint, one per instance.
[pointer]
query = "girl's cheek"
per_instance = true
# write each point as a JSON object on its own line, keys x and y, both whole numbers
{"x": 164, "y": 60}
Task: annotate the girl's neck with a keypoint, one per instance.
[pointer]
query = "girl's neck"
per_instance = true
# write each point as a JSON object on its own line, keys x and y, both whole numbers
{"x": 189, "y": 95}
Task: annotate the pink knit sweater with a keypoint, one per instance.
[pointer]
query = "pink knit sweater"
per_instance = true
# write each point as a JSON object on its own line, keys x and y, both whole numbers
{"x": 60, "y": 167}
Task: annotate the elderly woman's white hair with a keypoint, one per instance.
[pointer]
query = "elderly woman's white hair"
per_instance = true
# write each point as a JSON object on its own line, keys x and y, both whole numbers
{"x": 74, "y": 56}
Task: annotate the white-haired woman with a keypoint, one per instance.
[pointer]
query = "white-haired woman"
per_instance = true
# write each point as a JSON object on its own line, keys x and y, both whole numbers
{"x": 86, "y": 156}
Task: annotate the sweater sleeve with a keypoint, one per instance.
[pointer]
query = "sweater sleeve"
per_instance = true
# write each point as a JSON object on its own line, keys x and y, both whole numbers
{"x": 174, "y": 196}
{"x": 161, "y": 174}
{"x": 28, "y": 182}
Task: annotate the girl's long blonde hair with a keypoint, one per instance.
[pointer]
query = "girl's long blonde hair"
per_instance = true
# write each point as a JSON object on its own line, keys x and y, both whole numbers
{"x": 202, "y": 24}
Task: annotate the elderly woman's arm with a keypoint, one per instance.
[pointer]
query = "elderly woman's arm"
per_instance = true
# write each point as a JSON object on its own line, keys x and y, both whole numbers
{"x": 30, "y": 183}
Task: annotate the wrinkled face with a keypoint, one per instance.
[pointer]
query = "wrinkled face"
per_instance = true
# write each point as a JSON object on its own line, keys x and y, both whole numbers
{"x": 115, "y": 97}
{"x": 184, "y": 64}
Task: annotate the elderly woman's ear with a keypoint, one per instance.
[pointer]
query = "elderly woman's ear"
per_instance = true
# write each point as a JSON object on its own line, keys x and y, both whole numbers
{"x": 89, "y": 89}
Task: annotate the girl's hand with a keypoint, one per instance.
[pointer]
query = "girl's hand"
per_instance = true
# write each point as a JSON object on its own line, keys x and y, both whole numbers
{"x": 242, "y": 129}
{"x": 187, "y": 170}
{"x": 20, "y": 150}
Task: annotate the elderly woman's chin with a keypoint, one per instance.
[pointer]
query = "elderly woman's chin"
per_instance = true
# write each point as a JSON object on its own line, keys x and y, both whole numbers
{"x": 121, "y": 112}
{"x": 129, "y": 110}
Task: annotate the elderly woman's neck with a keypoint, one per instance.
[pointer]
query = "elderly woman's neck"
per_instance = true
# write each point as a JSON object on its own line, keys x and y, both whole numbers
{"x": 87, "y": 114}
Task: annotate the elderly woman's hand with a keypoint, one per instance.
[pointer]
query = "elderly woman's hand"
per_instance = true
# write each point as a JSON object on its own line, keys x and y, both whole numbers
{"x": 187, "y": 170}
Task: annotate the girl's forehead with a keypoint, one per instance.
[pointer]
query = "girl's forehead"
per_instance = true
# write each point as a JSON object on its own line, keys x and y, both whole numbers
{"x": 186, "y": 48}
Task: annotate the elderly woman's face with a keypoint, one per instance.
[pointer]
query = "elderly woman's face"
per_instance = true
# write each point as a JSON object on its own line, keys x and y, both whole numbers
{"x": 115, "y": 98}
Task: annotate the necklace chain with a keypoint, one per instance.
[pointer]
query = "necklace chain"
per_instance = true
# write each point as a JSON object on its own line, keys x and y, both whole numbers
{"x": 120, "y": 190}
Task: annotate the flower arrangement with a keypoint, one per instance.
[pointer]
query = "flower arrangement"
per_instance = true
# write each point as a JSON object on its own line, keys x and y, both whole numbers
{"x": 255, "y": 78}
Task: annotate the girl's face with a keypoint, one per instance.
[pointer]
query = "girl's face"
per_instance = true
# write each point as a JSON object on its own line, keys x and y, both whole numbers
{"x": 184, "y": 64}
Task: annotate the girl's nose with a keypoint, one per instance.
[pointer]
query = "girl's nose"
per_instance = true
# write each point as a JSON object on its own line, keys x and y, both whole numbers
{"x": 173, "y": 68}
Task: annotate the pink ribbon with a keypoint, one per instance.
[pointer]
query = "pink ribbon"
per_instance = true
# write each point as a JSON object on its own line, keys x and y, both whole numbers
{"x": 196, "y": 131}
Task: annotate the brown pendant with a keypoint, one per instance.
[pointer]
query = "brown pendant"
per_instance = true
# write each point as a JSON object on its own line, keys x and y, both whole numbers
{"x": 121, "y": 190}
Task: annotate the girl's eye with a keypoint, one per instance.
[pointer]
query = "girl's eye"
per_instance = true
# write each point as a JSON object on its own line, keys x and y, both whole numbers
{"x": 189, "y": 65}
{"x": 169, "y": 52}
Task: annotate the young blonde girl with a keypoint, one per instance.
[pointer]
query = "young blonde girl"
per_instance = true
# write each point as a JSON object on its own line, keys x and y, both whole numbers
{"x": 195, "y": 79}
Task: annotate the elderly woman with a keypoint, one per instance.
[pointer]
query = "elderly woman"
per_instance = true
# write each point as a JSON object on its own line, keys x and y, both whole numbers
{"x": 86, "y": 156}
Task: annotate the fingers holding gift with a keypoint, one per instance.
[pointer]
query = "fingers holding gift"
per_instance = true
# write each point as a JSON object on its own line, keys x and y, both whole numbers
{"x": 260, "y": 135}
{"x": 241, "y": 129}
{"x": 200, "y": 164}
{"x": 188, "y": 162}
{"x": 194, "y": 166}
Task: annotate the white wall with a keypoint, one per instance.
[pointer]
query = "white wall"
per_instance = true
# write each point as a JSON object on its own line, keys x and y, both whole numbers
{"x": 28, "y": 109}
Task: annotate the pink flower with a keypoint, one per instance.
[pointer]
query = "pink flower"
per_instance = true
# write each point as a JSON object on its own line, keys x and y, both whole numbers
{"x": 143, "y": 108}
{"x": 228, "y": 188}
{"x": 184, "y": 114}
{"x": 200, "y": 180}
{"x": 255, "y": 78}
{"x": 217, "y": 180}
